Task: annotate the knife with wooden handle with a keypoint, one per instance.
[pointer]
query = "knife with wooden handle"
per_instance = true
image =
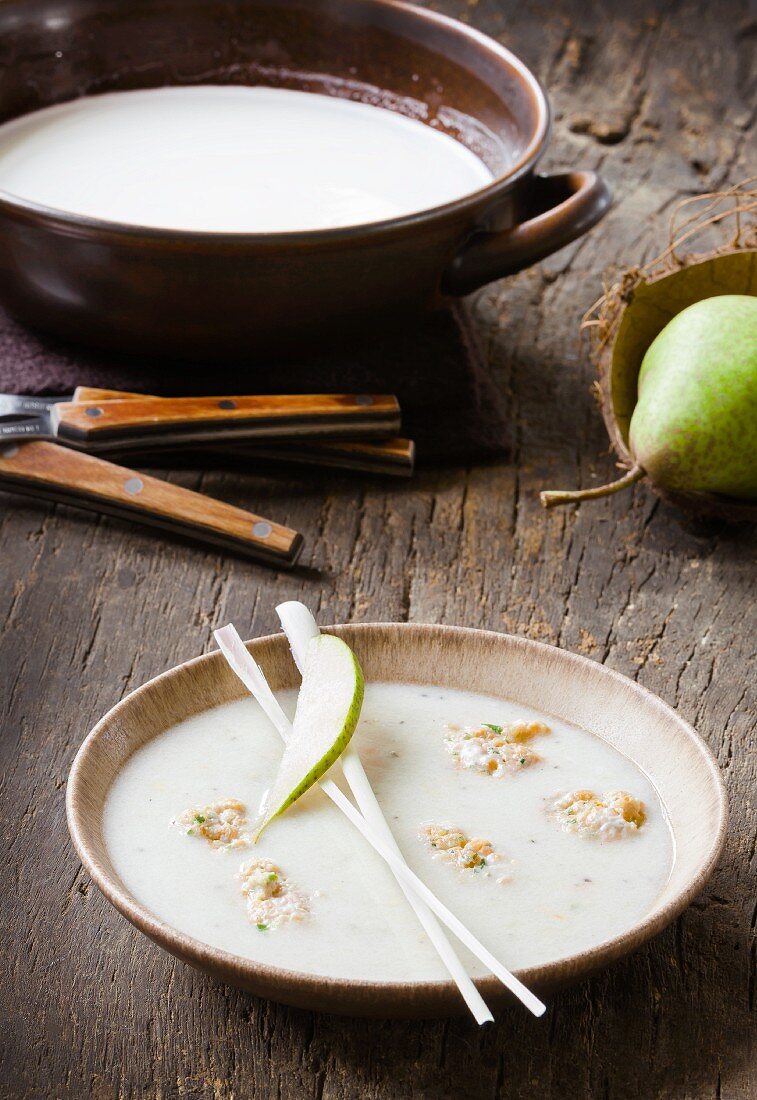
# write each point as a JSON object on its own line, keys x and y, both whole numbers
{"x": 394, "y": 457}
{"x": 85, "y": 481}
{"x": 141, "y": 422}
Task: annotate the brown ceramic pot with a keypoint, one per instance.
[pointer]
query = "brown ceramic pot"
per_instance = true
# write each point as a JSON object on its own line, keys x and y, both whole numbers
{"x": 192, "y": 294}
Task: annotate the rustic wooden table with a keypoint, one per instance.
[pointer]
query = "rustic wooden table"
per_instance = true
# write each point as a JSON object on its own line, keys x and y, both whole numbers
{"x": 661, "y": 100}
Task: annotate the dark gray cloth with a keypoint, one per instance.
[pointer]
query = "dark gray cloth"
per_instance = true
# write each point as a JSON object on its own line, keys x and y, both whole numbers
{"x": 450, "y": 404}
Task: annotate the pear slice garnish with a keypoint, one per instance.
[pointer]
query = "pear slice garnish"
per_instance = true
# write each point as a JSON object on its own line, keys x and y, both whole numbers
{"x": 328, "y": 710}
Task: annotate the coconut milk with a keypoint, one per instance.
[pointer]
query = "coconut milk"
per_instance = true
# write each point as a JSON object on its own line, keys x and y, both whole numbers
{"x": 232, "y": 159}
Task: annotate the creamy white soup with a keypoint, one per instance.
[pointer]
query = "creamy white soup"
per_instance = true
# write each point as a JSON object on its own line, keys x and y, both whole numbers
{"x": 540, "y": 858}
{"x": 232, "y": 159}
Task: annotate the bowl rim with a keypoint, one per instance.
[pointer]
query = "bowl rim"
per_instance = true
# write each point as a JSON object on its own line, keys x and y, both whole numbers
{"x": 322, "y": 990}
{"x": 59, "y": 218}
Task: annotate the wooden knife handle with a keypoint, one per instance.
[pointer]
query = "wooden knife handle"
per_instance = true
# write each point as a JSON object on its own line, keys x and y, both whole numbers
{"x": 85, "y": 394}
{"x": 156, "y": 421}
{"x": 394, "y": 457}
{"x": 58, "y": 473}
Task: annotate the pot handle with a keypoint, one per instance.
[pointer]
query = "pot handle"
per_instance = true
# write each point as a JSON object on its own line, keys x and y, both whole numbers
{"x": 559, "y": 209}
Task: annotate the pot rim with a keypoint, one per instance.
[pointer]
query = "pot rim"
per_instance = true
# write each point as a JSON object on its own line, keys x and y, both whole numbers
{"x": 62, "y": 219}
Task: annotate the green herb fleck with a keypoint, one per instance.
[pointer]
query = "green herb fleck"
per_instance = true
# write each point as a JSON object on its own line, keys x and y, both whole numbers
{"x": 199, "y": 819}
{"x": 494, "y": 729}
{"x": 522, "y": 760}
{"x": 272, "y": 877}
{"x": 262, "y": 927}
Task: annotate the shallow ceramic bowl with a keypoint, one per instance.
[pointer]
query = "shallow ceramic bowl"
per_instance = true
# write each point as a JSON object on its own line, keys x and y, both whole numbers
{"x": 539, "y": 676}
{"x": 199, "y": 295}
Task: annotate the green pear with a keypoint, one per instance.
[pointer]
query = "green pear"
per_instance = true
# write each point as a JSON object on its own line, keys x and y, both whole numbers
{"x": 694, "y": 428}
{"x": 328, "y": 710}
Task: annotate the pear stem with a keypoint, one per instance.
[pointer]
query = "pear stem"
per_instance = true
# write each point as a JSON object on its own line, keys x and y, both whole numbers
{"x": 551, "y": 498}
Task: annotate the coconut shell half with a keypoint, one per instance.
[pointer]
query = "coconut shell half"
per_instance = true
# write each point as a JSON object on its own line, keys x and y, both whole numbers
{"x": 629, "y": 318}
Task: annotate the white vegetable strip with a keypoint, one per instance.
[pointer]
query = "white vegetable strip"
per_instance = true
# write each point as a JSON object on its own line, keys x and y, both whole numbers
{"x": 403, "y": 872}
{"x": 250, "y": 674}
{"x": 300, "y": 628}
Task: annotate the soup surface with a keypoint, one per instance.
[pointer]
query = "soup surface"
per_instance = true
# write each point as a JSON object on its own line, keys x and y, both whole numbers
{"x": 553, "y": 891}
{"x": 232, "y": 159}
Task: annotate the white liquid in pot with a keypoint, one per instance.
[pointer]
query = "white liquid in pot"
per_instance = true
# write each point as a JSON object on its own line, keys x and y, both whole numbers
{"x": 564, "y": 892}
{"x": 232, "y": 159}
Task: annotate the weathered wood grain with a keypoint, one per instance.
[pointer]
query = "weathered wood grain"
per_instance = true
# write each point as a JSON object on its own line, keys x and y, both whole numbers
{"x": 661, "y": 97}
